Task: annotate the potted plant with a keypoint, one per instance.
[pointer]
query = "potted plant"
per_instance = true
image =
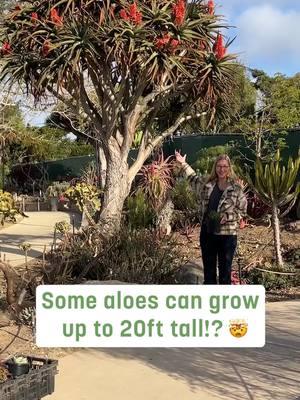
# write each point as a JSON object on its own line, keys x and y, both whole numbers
{"x": 213, "y": 222}
{"x": 27, "y": 377}
{"x": 53, "y": 193}
{"x": 86, "y": 197}
{"x": 18, "y": 366}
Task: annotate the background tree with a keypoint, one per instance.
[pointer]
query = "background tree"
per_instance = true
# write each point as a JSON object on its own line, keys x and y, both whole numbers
{"x": 118, "y": 62}
{"x": 21, "y": 144}
{"x": 277, "y": 109}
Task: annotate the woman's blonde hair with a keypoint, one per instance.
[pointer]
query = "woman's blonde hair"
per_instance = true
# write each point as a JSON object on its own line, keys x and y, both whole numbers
{"x": 213, "y": 174}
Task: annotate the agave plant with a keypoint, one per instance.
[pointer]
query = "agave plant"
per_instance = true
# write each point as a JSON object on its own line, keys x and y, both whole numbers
{"x": 117, "y": 63}
{"x": 276, "y": 186}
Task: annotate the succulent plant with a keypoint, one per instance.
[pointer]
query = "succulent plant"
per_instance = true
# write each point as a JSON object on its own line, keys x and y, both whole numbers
{"x": 56, "y": 189}
{"x": 25, "y": 246}
{"x": 8, "y": 211}
{"x": 84, "y": 195}
{"x": 27, "y": 316}
{"x": 62, "y": 227}
{"x": 4, "y": 374}
{"x": 20, "y": 360}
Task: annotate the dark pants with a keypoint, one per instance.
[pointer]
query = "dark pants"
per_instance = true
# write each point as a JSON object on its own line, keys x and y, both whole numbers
{"x": 221, "y": 248}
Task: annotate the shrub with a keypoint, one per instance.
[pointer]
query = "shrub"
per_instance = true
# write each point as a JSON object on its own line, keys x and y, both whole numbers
{"x": 141, "y": 256}
{"x": 8, "y": 211}
{"x": 207, "y": 156}
{"x": 84, "y": 195}
{"x": 56, "y": 189}
{"x": 183, "y": 197}
{"x": 272, "y": 281}
{"x": 139, "y": 212}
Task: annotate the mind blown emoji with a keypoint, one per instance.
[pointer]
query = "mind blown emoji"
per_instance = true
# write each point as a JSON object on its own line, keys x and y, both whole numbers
{"x": 238, "y": 328}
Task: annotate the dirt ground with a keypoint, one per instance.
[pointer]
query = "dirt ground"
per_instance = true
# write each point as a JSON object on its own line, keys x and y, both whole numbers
{"x": 255, "y": 245}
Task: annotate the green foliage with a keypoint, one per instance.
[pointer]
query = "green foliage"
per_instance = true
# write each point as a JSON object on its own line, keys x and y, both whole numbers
{"x": 281, "y": 96}
{"x": 206, "y": 158}
{"x": 41, "y": 144}
{"x": 62, "y": 227}
{"x": 83, "y": 195}
{"x": 273, "y": 281}
{"x": 280, "y": 108}
{"x": 183, "y": 197}
{"x": 137, "y": 139}
{"x": 8, "y": 211}
{"x": 57, "y": 189}
{"x": 139, "y": 212}
{"x": 25, "y": 144}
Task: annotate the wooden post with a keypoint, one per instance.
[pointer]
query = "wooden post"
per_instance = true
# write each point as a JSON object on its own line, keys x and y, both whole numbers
{"x": 38, "y": 204}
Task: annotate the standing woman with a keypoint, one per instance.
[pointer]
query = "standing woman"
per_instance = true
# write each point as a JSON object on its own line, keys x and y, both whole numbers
{"x": 222, "y": 200}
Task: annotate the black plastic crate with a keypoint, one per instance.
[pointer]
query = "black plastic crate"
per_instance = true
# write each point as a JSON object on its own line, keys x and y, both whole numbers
{"x": 39, "y": 381}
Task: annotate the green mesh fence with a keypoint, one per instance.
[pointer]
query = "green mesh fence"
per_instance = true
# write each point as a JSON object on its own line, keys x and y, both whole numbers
{"x": 72, "y": 167}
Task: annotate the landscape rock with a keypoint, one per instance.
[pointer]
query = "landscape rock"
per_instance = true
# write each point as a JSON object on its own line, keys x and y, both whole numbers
{"x": 190, "y": 273}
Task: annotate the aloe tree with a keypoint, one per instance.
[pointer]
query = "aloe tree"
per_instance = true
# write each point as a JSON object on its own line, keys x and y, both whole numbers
{"x": 116, "y": 64}
{"x": 276, "y": 185}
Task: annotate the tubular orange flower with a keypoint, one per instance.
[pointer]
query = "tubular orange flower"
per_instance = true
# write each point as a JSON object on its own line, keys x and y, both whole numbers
{"x": 218, "y": 48}
{"x": 179, "y": 12}
{"x": 46, "y": 48}
{"x": 124, "y": 15}
{"x": 134, "y": 14}
{"x": 138, "y": 18}
{"x": 55, "y": 17}
{"x": 34, "y": 17}
{"x": 163, "y": 41}
{"x": 133, "y": 10}
{"x": 6, "y": 48}
{"x": 211, "y": 7}
{"x": 174, "y": 42}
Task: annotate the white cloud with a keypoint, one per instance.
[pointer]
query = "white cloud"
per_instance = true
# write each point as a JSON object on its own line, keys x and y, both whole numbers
{"x": 268, "y": 35}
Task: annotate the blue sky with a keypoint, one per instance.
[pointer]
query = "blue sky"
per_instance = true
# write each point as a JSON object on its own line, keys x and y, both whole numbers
{"x": 267, "y": 31}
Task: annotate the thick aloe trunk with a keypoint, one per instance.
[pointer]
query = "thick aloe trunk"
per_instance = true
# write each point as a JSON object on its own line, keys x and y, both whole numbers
{"x": 116, "y": 190}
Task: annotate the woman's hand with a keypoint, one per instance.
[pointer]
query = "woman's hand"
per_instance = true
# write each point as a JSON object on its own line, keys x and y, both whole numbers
{"x": 179, "y": 158}
{"x": 242, "y": 183}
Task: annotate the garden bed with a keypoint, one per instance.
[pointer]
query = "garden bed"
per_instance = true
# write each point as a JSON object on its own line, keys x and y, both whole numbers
{"x": 255, "y": 244}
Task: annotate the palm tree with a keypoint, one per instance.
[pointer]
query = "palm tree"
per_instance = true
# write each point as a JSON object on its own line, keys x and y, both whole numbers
{"x": 276, "y": 185}
{"x": 116, "y": 64}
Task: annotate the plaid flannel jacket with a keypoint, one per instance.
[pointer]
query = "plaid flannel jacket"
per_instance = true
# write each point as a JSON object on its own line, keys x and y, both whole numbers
{"x": 233, "y": 203}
